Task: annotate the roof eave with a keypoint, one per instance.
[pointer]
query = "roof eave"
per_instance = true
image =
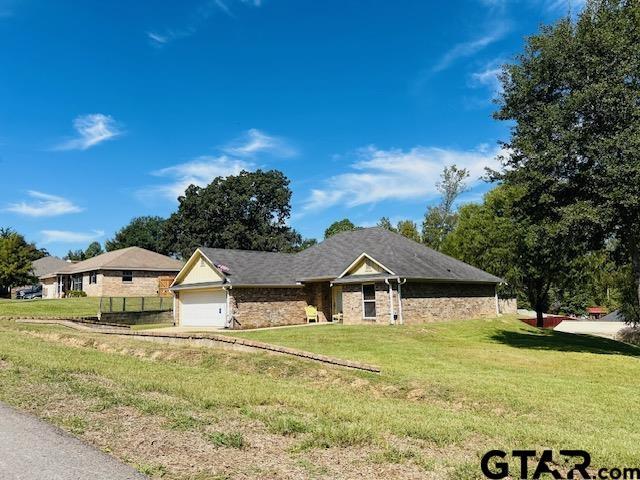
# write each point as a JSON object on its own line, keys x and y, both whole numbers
{"x": 196, "y": 286}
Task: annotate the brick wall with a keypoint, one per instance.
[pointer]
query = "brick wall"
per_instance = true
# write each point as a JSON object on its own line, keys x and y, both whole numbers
{"x": 144, "y": 284}
{"x": 93, "y": 289}
{"x": 352, "y": 308}
{"x": 508, "y": 305}
{"x": 421, "y": 302}
{"x": 268, "y": 307}
{"x": 49, "y": 288}
{"x": 430, "y": 302}
{"x": 137, "y": 318}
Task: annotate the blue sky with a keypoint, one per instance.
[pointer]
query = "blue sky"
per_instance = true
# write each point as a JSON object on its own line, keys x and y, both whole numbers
{"x": 109, "y": 109}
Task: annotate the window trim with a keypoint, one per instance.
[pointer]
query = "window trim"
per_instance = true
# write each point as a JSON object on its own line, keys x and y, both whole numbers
{"x": 124, "y": 274}
{"x": 93, "y": 277}
{"x": 375, "y": 311}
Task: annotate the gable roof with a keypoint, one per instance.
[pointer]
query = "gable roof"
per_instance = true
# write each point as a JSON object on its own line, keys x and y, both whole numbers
{"x": 130, "y": 258}
{"x": 362, "y": 257}
{"x": 329, "y": 259}
{"x": 406, "y": 258}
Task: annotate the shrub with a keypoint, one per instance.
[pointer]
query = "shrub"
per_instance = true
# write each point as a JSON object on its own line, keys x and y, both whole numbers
{"x": 629, "y": 335}
{"x": 76, "y": 293}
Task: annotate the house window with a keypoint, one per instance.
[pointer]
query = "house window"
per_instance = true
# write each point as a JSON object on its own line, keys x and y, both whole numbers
{"x": 76, "y": 282}
{"x": 369, "y": 301}
{"x": 93, "y": 278}
{"x": 127, "y": 276}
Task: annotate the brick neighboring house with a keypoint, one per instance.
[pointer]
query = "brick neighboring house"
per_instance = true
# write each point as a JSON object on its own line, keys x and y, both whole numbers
{"x": 367, "y": 276}
{"x": 129, "y": 272}
{"x": 42, "y": 266}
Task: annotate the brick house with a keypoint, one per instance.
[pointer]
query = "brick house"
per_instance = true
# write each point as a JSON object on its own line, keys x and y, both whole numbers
{"x": 41, "y": 267}
{"x": 366, "y": 276}
{"x": 128, "y": 272}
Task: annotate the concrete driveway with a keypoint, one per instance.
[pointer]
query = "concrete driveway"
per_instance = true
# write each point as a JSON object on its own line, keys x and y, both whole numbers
{"x": 31, "y": 449}
{"x": 591, "y": 327}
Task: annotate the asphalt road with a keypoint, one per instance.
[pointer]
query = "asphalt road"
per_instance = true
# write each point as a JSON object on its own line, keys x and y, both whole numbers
{"x": 31, "y": 449}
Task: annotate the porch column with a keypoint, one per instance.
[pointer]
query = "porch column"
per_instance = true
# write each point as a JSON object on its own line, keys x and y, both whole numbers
{"x": 391, "y": 321}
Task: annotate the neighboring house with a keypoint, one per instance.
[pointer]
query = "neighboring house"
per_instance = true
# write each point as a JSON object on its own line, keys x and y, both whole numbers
{"x": 129, "y": 272}
{"x": 596, "y": 313}
{"x": 41, "y": 267}
{"x": 364, "y": 276}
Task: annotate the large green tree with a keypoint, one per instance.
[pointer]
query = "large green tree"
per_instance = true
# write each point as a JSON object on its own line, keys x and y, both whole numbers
{"x": 409, "y": 229}
{"x": 384, "y": 222}
{"x": 484, "y": 236}
{"x": 143, "y": 232}
{"x": 93, "y": 250}
{"x": 248, "y": 211}
{"x": 439, "y": 220}
{"x": 532, "y": 256}
{"x": 573, "y": 97}
{"x": 16, "y": 256}
{"x": 344, "y": 225}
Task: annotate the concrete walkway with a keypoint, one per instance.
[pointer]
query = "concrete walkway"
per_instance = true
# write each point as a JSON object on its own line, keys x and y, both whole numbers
{"x": 31, "y": 449}
{"x": 591, "y": 327}
{"x": 180, "y": 329}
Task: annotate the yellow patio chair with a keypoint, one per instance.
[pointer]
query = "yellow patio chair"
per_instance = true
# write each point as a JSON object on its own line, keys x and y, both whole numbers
{"x": 312, "y": 314}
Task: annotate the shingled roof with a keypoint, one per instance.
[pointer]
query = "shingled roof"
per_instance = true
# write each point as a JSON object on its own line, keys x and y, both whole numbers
{"x": 46, "y": 265}
{"x": 131, "y": 258}
{"x": 328, "y": 259}
{"x": 248, "y": 267}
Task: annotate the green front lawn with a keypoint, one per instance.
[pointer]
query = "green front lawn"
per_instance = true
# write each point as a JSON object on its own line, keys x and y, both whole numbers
{"x": 448, "y": 392}
{"x": 72, "y": 307}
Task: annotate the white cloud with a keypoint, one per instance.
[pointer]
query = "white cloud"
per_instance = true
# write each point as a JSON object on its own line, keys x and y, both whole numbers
{"x": 157, "y": 39}
{"x": 471, "y": 47}
{"x": 43, "y": 205}
{"x": 489, "y": 77}
{"x": 564, "y": 5}
{"x": 65, "y": 236}
{"x": 92, "y": 129}
{"x": 196, "y": 19}
{"x": 200, "y": 171}
{"x": 254, "y": 141}
{"x": 390, "y": 175}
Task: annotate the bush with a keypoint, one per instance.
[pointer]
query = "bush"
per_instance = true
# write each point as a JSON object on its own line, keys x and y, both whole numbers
{"x": 76, "y": 294}
{"x": 629, "y": 335}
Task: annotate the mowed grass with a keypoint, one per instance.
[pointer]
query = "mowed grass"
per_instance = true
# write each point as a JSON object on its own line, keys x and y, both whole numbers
{"x": 43, "y": 308}
{"x": 513, "y": 385}
{"x": 448, "y": 392}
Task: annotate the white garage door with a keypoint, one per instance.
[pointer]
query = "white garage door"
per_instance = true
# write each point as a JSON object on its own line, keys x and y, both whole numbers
{"x": 203, "y": 308}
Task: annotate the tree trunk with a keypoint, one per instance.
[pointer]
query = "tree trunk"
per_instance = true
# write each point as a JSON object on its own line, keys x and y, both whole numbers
{"x": 635, "y": 266}
{"x": 539, "y": 317}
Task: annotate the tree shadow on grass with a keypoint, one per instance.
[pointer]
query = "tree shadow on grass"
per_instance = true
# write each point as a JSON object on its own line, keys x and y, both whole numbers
{"x": 565, "y": 342}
